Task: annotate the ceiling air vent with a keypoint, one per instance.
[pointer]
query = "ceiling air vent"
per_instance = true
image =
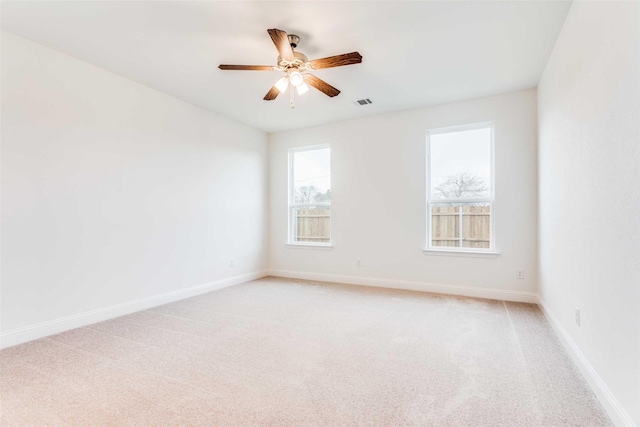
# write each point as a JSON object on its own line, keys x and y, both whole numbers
{"x": 364, "y": 101}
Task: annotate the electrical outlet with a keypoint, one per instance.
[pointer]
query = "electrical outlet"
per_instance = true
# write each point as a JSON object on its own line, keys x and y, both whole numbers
{"x": 359, "y": 263}
{"x": 520, "y": 274}
{"x": 577, "y": 316}
{"x": 232, "y": 264}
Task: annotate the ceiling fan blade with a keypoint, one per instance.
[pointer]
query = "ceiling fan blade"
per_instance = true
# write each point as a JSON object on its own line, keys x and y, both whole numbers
{"x": 272, "y": 94}
{"x": 246, "y": 67}
{"x": 321, "y": 85}
{"x": 281, "y": 41}
{"x": 336, "y": 61}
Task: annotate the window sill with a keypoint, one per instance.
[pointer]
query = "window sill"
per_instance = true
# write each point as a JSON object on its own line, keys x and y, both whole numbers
{"x": 461, "y": 253}
{"x": 320, "y": 246}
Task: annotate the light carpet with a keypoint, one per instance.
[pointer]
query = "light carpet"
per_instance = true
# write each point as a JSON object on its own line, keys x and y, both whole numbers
{"x": 278, "y": 352}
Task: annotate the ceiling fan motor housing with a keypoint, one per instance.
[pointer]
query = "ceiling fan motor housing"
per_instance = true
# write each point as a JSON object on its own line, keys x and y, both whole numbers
{"x": 300, "y": 61}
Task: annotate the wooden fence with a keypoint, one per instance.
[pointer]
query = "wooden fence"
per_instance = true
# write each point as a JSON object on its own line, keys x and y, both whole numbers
{"x": 448, "y": 221}
{"x": 314, "y": 225}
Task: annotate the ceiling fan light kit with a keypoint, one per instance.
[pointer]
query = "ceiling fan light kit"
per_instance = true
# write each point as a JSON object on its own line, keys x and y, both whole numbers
{"x": 282, "y": 84}
{"x": 296, "y": 65}
{"x": 302, "y": 89}
{"x": 295, "y": 78}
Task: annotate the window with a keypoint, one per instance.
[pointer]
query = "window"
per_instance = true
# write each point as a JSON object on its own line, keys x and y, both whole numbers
{"x": 310, "y": 195}
{"x": 460, "y": 189}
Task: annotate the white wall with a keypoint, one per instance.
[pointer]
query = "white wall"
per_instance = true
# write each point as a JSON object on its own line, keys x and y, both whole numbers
{"x": 378, "y": 200}
{"x": 589, "y": 193}
{"x": 113, "y": 192}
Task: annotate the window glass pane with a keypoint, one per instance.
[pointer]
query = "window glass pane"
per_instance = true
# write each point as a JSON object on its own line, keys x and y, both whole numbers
{"x": 474, "y": 219}
{"x": 445, "y": 225}
{"x": 476, "y": 225}
{"x": 311, "y": 224}
{"x": 312, "y": 176}
{"x": 310, "y": 202}
{"x": 461, "y": 164}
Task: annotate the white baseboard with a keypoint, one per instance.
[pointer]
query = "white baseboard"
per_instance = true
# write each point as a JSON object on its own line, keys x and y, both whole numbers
{"x": 40, "y": 330}
{"x": 611, "y": 405}
{"x": 468, "y": 291}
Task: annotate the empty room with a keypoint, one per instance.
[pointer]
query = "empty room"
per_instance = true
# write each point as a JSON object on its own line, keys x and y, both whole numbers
{"x": 320, "y": 213}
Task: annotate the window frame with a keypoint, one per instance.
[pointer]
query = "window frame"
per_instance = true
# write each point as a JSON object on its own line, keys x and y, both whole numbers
{"x": 492, "y": 249}
{"x": 291, "y": 205}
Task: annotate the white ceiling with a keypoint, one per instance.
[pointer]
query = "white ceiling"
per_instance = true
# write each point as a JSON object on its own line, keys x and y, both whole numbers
{"x": 414, "y": 53}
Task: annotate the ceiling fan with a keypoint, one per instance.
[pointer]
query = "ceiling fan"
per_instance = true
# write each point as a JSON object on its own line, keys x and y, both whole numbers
{"x": 296, "y": 67}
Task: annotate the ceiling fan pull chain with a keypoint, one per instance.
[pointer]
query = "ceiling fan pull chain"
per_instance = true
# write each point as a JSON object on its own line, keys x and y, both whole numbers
{"x": 293, "y": 105}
